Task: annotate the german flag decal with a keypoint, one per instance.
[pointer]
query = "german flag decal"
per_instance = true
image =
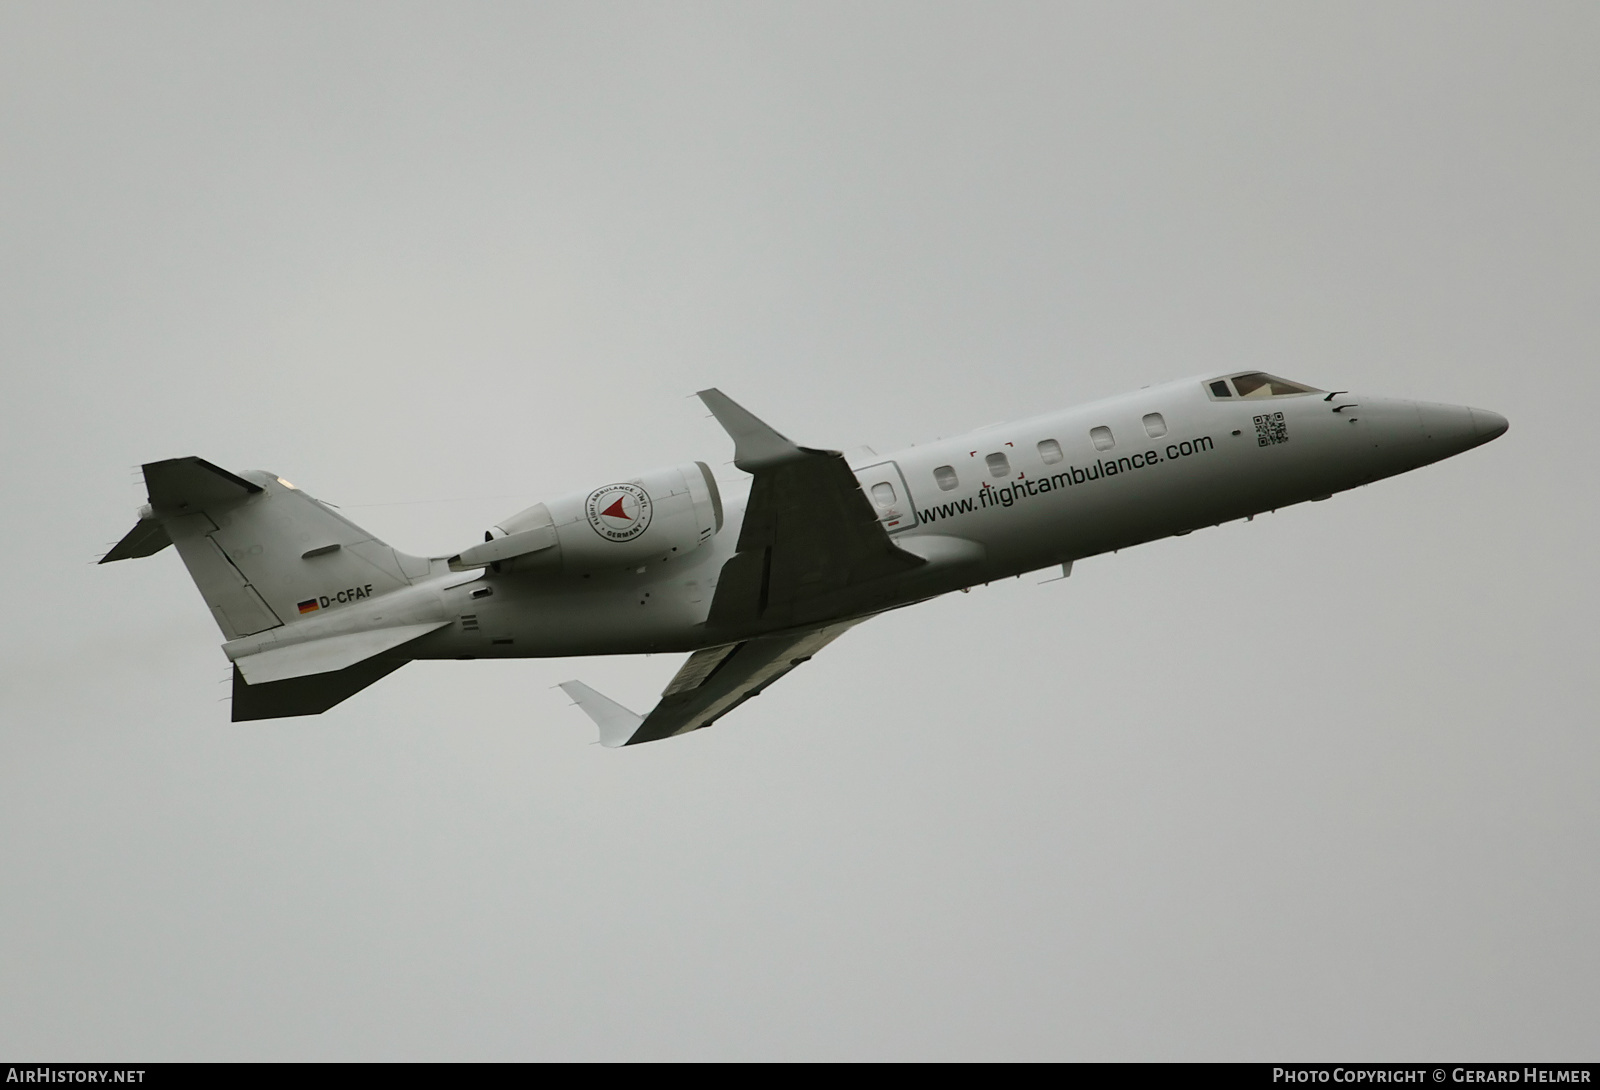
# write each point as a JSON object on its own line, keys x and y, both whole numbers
{"x": 309, "y": 606}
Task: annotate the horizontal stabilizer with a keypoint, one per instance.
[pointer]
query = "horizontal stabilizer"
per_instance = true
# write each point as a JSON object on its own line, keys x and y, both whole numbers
{"x": 328, "y": 654}
{"x": 147, "y": 538}
{"x": 193, "y": 484}
{"x": 616, "y": 723}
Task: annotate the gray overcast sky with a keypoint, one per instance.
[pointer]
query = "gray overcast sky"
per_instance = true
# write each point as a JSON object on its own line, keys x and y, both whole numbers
{"x": 1319, "y": 786}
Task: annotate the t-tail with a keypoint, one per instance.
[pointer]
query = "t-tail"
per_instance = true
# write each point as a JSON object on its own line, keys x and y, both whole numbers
{"x": 292, "y": 584}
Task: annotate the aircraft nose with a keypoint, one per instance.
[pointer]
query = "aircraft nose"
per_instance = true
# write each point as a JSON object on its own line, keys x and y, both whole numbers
{"x": 1455, "y": 428}
{"x": 1487, "y": 425}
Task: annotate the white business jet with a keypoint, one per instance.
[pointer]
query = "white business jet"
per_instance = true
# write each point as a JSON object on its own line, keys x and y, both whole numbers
{"x": 315, "y": 609}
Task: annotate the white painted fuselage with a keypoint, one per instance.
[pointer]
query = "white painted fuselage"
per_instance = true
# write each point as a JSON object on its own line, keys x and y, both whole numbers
{"x": 994, "y": 503}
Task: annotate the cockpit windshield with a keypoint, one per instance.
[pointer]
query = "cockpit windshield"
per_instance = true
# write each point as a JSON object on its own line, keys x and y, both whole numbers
{"x": 1256, "y": 385}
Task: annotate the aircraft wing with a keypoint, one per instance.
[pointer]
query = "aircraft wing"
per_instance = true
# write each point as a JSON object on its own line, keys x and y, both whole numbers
{"x": 709, "y": 685}
{"x": 809, "y": 534}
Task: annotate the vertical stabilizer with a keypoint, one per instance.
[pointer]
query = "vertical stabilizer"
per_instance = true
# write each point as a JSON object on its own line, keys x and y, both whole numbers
{"x": 262, "y": 552}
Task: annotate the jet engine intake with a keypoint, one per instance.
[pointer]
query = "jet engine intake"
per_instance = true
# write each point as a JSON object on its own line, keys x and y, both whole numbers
{"x": 661, "y": 515}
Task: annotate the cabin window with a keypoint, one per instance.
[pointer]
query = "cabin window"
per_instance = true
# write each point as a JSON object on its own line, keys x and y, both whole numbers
{"x": 1050, "y": 451}
{"x": 1101, "y": 437}
{"x": 883, "y": 494}
{"x": 999, "y": 464}
{"x": 1259, "y": 384}
{"x": 1154, "y": 426}
{"x": 1219, "y": 388}
{"x": 945, "y": 477}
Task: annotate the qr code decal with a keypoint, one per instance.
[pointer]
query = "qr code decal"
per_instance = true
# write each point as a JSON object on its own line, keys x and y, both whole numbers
{"x": 1270, "y": 429}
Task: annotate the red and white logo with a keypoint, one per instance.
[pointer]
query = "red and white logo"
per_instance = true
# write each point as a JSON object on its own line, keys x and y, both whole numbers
{"x": 619, "y": 512}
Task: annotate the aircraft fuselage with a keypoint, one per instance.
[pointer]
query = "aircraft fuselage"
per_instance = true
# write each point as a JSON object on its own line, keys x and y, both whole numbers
{"x": 314, "y": 608}
{"x": 991, "y": 504}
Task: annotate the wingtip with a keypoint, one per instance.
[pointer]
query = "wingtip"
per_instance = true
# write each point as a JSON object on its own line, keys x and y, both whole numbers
{"x": 755, "y": 442}
{"x": 616, "y": 723}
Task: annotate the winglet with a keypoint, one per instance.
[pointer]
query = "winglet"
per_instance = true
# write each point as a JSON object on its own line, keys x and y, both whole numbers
{"x": 755, "y": 444}
{"x": 616, "y": 723}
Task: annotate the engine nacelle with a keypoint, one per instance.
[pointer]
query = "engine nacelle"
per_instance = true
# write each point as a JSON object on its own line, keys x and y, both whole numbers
{"x": 658, "y": 516}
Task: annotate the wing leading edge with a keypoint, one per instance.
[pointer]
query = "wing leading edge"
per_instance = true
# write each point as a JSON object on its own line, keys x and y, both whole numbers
{"x": 708, "y": 686}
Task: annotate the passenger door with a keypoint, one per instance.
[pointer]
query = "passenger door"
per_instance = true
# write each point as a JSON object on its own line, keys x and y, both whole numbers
{"x": 885, "y": 487}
